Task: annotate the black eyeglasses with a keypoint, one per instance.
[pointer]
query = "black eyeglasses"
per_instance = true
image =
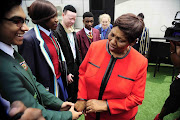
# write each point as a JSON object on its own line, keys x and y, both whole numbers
{"x": 19, "y": 21}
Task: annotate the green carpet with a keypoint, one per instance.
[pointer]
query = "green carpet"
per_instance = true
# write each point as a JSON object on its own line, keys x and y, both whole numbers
{"x": 156, "y": 92}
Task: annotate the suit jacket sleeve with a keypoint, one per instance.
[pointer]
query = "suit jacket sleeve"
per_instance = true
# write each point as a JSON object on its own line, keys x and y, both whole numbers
{"x": 56, "y": 34}
{"x": 13, "y": 87}
{"x": 79, "y": 43}
{"x": 136, "y": 97}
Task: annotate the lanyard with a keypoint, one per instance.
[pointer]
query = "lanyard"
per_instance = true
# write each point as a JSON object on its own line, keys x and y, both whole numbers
{"x": 55, "y": 45}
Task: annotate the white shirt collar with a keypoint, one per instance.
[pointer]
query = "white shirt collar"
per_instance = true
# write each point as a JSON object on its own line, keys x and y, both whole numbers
{"x": 7, "y": 49}
{"x": 87, "y": 31}
{"x": 44, "y": 30}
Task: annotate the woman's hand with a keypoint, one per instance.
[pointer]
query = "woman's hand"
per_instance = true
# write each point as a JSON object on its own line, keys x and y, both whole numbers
{"x": 66, "y": 106}
{"x": 80, "y": 105}
{"x": 94, "y": 105}
{"x": 75, "y": 115}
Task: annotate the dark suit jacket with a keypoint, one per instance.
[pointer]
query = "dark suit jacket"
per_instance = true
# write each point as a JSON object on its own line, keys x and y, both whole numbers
{"x": 83, "y": 41}
{"x": 17, "y": 84}
{"x": 61, "y": 35}
{"x": 37, "y": 56}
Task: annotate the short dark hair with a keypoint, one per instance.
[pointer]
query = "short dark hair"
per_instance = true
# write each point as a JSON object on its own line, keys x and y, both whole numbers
{"x": 130, "y": 25}
{"x": 141, "y": 15}
{"x": 41, "y": 11}
{"x": 70, "y": 8}
{"x": 88, "y": 14}
{"x": 7, "y": 5}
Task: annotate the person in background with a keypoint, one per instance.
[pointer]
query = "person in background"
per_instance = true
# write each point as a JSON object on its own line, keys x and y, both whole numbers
{"x": 105, "y": 29}
{"x": 17, "y": 81}
{"x": 112, "y": 76}
{"x": 67, "y": 38}
{"x": 172, "y": 103}
{"x": 87, "y": 35}
{"x": 142, "y": 43}
{"x": 42, "y": 51}
{"x": 99, "y": 25}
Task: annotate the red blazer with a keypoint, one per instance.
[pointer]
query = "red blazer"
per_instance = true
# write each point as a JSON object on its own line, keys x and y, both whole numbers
{"x": 126, "y": 86}
{"x": 83, "y": 41}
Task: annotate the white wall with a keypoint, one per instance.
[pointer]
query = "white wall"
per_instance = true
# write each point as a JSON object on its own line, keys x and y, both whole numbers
{"x": 157, "y": 12}
{"x": 80, "y": 5}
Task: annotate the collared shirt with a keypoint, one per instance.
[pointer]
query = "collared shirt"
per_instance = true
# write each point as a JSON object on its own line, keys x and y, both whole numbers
{"x": 103, "y": 33}
{"x": 44, "y": 30}
{"x": 87, "y": 31}
{"x": 7, "y": 49}
{"x": 71, "y": 39}
{"x": 69, "y": 30}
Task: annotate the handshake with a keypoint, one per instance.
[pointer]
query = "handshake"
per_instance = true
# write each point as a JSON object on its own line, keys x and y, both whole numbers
{"x": 91, "y": 106}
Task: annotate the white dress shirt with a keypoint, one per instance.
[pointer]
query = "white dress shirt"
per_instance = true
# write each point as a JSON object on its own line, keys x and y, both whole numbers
{"x": 87, "y": 31}
{"x": 7, "y": 49}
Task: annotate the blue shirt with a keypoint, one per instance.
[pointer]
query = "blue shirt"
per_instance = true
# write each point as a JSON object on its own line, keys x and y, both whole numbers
{"x": 103, "y": 33}
{"x": 98, "y": 26}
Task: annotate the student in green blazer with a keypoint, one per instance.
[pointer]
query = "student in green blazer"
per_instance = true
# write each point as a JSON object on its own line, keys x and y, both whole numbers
{"x": 16, "y": 79}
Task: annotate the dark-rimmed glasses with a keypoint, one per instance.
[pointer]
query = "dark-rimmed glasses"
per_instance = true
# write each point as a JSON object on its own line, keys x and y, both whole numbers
{"x": 19, "y": 21}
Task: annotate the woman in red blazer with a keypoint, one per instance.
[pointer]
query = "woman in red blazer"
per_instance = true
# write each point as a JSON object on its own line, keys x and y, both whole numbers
{"x": 112, "y": 76}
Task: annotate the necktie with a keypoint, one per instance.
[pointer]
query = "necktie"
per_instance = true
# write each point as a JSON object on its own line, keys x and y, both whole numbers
{"x": 90, "y": 35}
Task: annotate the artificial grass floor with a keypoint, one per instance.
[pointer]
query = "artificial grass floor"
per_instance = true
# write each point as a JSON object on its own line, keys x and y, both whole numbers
{"x": 156, "y": 92}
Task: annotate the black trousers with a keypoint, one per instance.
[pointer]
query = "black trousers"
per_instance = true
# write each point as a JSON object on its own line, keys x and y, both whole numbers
{"x": 172, "y": 103}
{"x": 72, "y": 88}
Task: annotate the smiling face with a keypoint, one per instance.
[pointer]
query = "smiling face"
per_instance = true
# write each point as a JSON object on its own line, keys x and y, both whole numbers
{"x": 117, "y": 41}
{"x": 105, "y": 22}
{"x": 10, "y": 33}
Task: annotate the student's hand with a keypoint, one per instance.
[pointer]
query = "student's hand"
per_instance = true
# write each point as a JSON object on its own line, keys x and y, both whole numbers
{"x": 17, "y": 107}
{"x": 75, "y": 115}
{"x": 94, "y": 105}
{"x": 70, "y": 78}
{"x": 80, "y": 105}
{"x": 28, "y": 113}
{"x": 66, "y": 105}
{"x": 32, "y": 114}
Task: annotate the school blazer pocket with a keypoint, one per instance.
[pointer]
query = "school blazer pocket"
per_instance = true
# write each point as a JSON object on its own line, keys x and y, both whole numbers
{"x": 124, "y": 85}
{"x": 92, "y": 69}
{"x": 126, "y": 78}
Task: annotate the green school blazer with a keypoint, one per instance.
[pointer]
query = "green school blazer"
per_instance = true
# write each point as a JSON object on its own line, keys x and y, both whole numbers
{"x": 18, "y": 83}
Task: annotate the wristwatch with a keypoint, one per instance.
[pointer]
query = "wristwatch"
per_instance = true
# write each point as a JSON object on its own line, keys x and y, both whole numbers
{"x": 172, "y": 52}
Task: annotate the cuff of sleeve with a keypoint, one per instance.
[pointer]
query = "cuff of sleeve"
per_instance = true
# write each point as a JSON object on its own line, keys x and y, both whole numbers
{"x": 82, "y": 99}
{"x": 108, "y": 107}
